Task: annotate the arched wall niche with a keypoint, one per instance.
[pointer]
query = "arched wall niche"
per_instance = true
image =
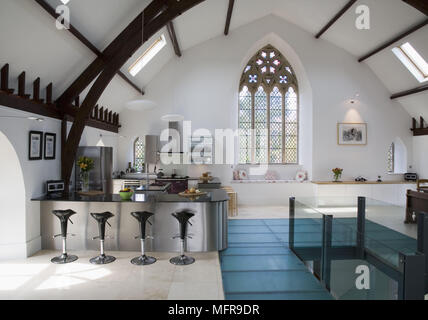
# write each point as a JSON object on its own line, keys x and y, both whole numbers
{"x": 12, "y": 199}
{"x": 400, "y": 156}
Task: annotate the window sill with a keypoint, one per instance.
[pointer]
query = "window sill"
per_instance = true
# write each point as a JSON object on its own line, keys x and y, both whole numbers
{"x": 268, "y": 164}
{"x": 267, "y": 181}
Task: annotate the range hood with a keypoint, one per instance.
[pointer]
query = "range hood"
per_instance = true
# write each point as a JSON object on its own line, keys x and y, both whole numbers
{"x": 175, "y": 127}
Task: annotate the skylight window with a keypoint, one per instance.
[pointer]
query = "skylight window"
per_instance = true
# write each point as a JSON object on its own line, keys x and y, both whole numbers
{"x": 413, "y": 61}
{"x": 148, "y": 55}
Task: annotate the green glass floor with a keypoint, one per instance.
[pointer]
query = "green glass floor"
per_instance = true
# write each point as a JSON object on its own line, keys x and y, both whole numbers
{"x": 258, "y": 265}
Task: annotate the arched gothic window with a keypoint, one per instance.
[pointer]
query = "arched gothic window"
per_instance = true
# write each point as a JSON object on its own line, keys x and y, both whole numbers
{"x": 139, "y": 154}
{"x": 268, "y": 110}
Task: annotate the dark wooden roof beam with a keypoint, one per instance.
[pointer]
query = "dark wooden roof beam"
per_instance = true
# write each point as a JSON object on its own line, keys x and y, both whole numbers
{"x": 421, "y": 5}
{"x": 229, "y": 17}
{"x": 87, "y": 43}
{"x": 394, "y": 40}
{"x": 173, "y": 37}
{"x": 335, "y": 18}
{"x": 409, "y": 92}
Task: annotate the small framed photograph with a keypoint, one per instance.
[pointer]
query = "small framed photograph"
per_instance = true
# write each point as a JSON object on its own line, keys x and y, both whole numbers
{"x": 35, "y": 145}
{"x": 352, "y": 134}
{"x": 50, "y": 146}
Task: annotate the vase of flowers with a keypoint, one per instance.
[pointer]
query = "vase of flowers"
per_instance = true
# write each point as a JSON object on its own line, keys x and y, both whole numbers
{"x": 86, "y": 165}
{"x": 337, "y": 174}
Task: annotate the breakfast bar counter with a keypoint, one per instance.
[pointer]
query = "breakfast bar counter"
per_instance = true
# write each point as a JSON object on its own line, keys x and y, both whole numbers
{"x": 208, "y": 227}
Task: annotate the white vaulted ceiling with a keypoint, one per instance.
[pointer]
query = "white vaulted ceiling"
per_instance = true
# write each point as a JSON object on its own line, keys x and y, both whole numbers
{"x": 102, "y": 20}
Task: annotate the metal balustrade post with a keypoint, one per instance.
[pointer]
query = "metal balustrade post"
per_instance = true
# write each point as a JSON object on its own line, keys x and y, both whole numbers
{"x": 422, "y": 239}
{"x": 361, "y": 226}
{"x": 412, "y": 268}
{"x": 327, "y": 230}
{"x": 292, "y": 208}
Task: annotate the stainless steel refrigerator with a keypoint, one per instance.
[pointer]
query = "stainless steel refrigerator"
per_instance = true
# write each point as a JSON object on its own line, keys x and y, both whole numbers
{"x": 100, "y": 178}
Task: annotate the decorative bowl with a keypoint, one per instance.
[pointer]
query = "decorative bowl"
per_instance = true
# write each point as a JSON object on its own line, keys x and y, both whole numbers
{"x": 126, "y": 195}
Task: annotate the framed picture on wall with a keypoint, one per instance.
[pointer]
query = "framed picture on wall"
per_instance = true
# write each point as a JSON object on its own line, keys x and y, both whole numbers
{"x": 35, "y": 145}
{"x": 50, "y": 146}
{"x": 352, "y": 134}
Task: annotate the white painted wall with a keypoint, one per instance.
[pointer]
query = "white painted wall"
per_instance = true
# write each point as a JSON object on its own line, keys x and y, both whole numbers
{"x": 35, "y": 174}
{"x": 26, "y": 213}
{"x": 420, "y": 155}
{"x": 203, "y": 86}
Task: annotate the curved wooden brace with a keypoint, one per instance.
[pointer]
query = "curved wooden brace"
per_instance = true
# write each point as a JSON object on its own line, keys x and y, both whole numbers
{"x": 156, "y": 16}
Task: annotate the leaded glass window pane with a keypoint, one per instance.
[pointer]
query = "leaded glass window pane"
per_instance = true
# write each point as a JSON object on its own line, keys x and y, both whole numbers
{"x": 276, "y": 126}
{"x": 245, "y": 125}
{"x": 291, "y": 127}
{"x": 261, "y": 126}
{"x": 268, "y": 110}
{"x": 139, "y": 154}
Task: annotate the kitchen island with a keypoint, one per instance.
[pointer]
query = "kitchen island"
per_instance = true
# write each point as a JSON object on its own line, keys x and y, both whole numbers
{"x": 208, "y": 229}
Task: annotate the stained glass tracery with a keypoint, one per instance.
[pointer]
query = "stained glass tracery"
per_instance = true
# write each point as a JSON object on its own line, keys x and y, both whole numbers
{"x": 268, "y": 110}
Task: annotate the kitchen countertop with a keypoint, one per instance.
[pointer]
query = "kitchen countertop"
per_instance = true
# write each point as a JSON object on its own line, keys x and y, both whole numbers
{"x": 153, "y": 188}
{"x": 361, "y": 182}
{"x": 213, "y": 195}
{"x": 150, "y": 178}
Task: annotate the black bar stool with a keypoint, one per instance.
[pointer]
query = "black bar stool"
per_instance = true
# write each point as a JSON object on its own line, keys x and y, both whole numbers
{"x": 143, "y": 217}
{"x": 183, "y": 220}
{"x": 102, "y": 218}
{"x": 63, "y": 216}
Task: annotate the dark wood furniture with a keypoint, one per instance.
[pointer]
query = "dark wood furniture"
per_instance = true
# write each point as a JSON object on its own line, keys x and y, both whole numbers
{"x": 416, "y": 202}
{"x": 422, "y": 185}
{"x": 177, "y": 185}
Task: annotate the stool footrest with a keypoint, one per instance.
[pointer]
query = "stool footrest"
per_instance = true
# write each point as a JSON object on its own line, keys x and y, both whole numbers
{"x": 182, "y": 260}
{"x": 63, "y": 259}
{"x": 102, "y": 259}
{"x": 143, "y": 260}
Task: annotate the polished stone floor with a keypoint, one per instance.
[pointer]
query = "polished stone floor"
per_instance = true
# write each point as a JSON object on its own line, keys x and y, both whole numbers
{"x": 36, "y": 278}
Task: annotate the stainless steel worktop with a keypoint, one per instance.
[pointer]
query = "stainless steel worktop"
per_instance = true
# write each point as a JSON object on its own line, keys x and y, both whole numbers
{"x": 214, "y": 195}
{"x": 209, "y": 225}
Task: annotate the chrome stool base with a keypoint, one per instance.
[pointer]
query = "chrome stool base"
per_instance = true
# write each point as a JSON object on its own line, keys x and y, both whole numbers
{"x": 102, "y": 259}
{"x": 182, "y": 260}
{"x": 63, "y": 259}
{"x": 143, "y": 260}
